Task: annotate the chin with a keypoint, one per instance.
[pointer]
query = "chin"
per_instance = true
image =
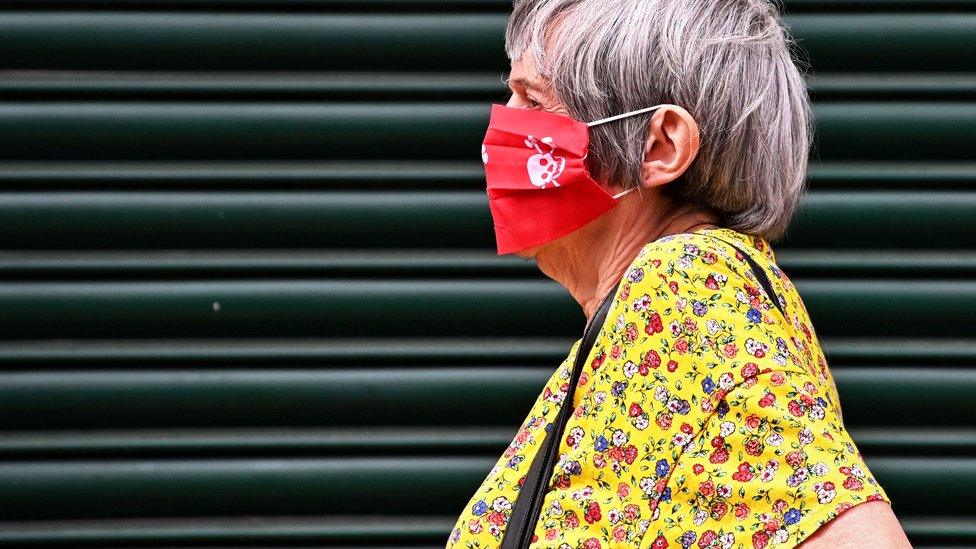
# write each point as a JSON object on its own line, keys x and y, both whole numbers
{"x": 528, "y": 253}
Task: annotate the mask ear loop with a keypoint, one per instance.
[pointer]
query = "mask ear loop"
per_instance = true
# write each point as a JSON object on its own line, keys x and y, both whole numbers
{"x": 624, "y": 115}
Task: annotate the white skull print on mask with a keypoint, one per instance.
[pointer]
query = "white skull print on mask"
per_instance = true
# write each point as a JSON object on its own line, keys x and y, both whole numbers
{"x": 543, "y": 167}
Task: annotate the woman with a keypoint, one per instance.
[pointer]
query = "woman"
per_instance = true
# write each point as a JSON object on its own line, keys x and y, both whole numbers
{"x": 706, "y": 414}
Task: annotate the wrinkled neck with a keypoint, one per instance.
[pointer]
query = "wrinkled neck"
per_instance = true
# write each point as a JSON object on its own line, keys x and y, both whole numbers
{"x": 590, "y": 262}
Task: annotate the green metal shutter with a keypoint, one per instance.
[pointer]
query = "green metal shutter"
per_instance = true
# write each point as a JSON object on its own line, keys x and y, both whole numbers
{"x": 248, "y": 294}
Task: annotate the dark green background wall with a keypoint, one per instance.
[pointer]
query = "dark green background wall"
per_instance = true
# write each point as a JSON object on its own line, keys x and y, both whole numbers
{"x": 248, "y": 293}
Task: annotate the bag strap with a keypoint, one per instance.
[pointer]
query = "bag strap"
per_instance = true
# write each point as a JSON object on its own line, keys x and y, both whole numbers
{"x": 528, "y": 503}
{"x": 760, "y": 275}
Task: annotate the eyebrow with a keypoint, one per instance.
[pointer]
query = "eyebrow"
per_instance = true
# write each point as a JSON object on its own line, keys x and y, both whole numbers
{"x": 528, "y": 83}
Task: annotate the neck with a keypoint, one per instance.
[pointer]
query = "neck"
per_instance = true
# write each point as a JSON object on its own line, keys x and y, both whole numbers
{"x": 591, "y": 262}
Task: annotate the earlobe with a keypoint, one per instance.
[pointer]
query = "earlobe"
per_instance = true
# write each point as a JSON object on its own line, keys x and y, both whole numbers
{"x": 672, "y": 145}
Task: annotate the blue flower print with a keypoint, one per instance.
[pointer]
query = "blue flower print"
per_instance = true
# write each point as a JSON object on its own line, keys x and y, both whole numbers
{"x": 708, "y": 385}
{"x": 792, "y": 516}
{"x": 662, "y": 467}
{"x": 479, "y": 508}
{"x": 601, "y": 443}
{"x": 754, "y": 315}
{"x": 618, "y": 388}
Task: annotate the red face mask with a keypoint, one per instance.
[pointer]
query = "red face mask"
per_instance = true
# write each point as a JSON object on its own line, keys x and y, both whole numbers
{"x": 538, "y": 186}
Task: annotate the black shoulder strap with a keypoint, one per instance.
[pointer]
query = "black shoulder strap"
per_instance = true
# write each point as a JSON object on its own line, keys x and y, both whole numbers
{"x": 528, "y": 503}
{"x": 760, "y": 274}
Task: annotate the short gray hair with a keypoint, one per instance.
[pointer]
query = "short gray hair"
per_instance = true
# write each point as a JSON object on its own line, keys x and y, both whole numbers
{"x": 727, "y": 62}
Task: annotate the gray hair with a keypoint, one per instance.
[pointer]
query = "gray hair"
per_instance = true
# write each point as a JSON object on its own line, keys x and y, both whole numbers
{"x": 727, "y": 62}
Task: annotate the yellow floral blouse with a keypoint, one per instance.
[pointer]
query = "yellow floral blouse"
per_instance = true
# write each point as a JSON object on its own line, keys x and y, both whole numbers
{"x": 702, "y": 418}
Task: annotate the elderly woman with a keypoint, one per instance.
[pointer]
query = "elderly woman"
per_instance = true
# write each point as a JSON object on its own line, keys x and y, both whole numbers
{"x": 650, "y": 152}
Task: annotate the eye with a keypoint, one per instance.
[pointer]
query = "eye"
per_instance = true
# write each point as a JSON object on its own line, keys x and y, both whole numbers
{"x": 533, "y": 104}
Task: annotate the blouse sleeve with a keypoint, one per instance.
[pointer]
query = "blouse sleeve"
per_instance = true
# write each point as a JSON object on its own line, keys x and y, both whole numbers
{"x": 770, "y": 466}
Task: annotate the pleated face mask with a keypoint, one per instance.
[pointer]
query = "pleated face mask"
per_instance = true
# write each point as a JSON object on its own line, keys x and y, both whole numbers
{"x": 537, "y": 183}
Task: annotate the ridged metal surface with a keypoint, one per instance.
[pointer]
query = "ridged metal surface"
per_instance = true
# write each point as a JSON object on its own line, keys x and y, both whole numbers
{"x": 248, "y": 294}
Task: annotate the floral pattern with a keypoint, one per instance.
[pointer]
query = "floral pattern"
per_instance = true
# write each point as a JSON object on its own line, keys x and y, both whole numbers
{"x": 703, "y": 417}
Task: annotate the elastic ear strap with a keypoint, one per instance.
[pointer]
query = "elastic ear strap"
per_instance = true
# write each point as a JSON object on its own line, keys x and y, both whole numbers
{"x": 624, "y": 115}
{"x": 618, "y": 195}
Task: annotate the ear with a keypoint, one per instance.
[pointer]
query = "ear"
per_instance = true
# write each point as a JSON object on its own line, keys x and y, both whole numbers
{"x": 672, "y": 145}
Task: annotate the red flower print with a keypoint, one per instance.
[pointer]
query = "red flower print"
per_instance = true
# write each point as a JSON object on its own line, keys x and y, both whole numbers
{"x": 551, "y": 534}
{"x": 796, "y": 458}
{"x": 698, "y": 468}
{"x": 630, "y": 333}
{"x": 750, "y": 369}
{"x": 718, "y": 442}
{"x": 710, "y": 282}
{"x": 829, "y": 486}
{"x": 592, "y": 543}
{"x": 598, "y": 360}
{"x": 686, "y": 428}
{"x": 599, "y": 461}
{"x": 623, "y": 490}
{"x": 631, "y": 511}
{"x": 656, "y": 262}
{"x": 681, "y": 346}
{"x": 562, "y": 481}
{"x": 571, "y": 520}
{"x": 875, "y": 497}
{"x": 719, "y": 456}
{"x": 760, "y": 539}
{"x": 630, "y": 454}
{"x": 706, "y": 488}
{"x": 672, "y": 365}
{"x": 730, "y": 350}
{"x": 795, "y": 408}
{"x": 754, "y": 446}
{"x": 635, "y": 410}
{"x": 779, "y": 505}
{"x": 707, "y": 537}
{"x": 767, "y": 400}
{"x": 741, "y": 511}
{"x": 752, "y": 421}
{"x": 660, "y": 543}
{"x": 651, "y": 358}
{"x": 654, "y": 324}
{"x": 776, "y": 379}
{"x": 673, "y": 286}
{"x": 853, "y": 483}
{"x": 663, "y": 420}
{"x": 743, "y": 474}
{"x": 615, "y": 351}
{"x": 719, "y": 508}
{"x": 620, "y": 533}
{"x": 592, "y": 512}
{"x": 496, "y": 518}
